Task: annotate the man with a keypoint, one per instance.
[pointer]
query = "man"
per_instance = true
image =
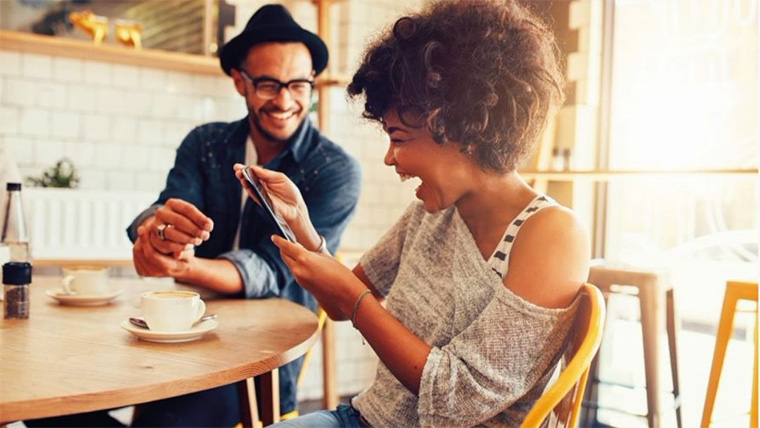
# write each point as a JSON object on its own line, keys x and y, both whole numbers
{"x": 204, "y": 230}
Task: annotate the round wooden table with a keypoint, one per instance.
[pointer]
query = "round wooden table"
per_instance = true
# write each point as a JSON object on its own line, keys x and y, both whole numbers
{"x": 68, "y": 359}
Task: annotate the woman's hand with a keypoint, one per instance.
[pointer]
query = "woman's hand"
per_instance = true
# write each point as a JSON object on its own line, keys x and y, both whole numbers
{"x": 334, "y": 286}
{"x": 287, "y": 201}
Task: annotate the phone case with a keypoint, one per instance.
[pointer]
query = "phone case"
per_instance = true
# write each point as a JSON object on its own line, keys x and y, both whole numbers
{"x": 280, "y": 225}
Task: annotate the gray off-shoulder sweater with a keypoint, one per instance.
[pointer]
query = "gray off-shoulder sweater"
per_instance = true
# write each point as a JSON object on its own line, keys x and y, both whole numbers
{"x": 493, "y": 352}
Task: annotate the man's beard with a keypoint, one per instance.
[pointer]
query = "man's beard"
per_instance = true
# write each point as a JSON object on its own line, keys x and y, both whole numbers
{"x": 267, "y": 135}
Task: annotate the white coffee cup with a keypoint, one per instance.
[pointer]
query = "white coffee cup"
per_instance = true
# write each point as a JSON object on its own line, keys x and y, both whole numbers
{"x": 172, "y": 310}
{"x": 85, "y": 280}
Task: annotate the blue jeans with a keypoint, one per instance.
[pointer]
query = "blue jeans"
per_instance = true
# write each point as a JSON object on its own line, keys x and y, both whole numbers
{"x": 344, "y": 416}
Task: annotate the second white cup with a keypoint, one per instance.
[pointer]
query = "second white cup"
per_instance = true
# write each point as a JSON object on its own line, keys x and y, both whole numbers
{"x": 172, "y": 310}
{"x": 85, "y": 280}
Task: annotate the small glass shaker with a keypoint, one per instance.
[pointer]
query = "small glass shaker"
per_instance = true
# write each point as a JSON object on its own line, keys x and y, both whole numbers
{"x": 16, "y": 279}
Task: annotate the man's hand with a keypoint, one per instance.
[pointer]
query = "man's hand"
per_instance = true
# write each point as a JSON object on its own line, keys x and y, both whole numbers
{"x": 166, "y": 241}
{"x": 149, "y": 262}
{"x": 184, "y": 226}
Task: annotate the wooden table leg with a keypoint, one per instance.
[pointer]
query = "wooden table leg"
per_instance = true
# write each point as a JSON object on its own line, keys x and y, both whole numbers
{"x": 270, "y": 397}
{"x": 249, "y": 414}
{"x": 330, "y": 393}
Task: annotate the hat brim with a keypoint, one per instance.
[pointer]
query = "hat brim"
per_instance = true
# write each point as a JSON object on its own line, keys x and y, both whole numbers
{"x": 234, "y": 50}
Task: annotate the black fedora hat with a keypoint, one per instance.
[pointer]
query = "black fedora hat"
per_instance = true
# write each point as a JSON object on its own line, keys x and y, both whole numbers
{"x": 272, "y": 23}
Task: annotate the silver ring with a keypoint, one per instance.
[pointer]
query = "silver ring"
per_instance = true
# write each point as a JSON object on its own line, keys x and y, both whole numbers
{"x": 161, "y": 230}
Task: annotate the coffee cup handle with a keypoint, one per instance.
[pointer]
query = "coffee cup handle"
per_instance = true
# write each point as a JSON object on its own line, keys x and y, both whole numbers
{"x": 201, "y": 310}
{"x": 66, "y": 283}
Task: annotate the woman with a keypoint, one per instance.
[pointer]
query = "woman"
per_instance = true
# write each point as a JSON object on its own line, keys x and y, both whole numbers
{"x": 480, "y": 276}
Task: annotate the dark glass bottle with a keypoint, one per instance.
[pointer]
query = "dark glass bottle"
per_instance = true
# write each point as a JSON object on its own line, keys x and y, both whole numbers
{"x": 16, "y": 279}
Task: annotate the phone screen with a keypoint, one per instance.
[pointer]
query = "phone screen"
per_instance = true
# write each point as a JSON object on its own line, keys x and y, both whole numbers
{"x": 280, "y": 225}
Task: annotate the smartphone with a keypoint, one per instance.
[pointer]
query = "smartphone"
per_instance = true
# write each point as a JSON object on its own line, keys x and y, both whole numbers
{"x": 280, "y": 225}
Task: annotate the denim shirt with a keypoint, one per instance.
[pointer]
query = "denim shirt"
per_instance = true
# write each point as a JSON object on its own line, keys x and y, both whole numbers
{"x": 329, "y": 180}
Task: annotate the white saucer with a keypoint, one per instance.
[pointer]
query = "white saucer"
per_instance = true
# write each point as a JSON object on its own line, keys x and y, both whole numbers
{"x": 77, "y": 300}
{"x": 196, "y": 332}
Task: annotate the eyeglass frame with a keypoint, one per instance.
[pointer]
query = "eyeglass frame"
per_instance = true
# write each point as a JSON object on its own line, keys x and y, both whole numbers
{"x": 255, "y": 82}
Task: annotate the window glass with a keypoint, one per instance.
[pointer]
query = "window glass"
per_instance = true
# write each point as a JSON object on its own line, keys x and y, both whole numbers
{"x": 685, "y": 97}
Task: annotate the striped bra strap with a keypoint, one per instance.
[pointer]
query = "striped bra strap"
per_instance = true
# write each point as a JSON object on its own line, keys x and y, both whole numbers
{"x": 499, "y": 261}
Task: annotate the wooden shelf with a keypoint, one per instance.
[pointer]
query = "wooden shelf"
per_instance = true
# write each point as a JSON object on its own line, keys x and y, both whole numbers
{"x": 327, "y": 80}
{"x": 608, "y": 175}
{"x": 79, "y": 49}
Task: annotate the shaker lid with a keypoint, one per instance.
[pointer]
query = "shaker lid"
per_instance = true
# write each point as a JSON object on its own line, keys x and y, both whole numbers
{"x": 13, "y": 186}
{"x": 17, "y": 273}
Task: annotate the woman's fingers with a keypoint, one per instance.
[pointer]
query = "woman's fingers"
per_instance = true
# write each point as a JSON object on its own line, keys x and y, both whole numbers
{"x": 244, "y": 182}
{"x": 267, "y": 174}
{"x": 291, "y": 249}
{"x": 293, "y": 256}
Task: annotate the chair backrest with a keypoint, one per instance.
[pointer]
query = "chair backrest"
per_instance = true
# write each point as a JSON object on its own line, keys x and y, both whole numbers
{"x": 564, "y": 396}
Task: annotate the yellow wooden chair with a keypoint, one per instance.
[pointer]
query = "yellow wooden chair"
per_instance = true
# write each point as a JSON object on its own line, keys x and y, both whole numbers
{"x": 735, "y": 291}
{"x": 564, "y": 397}
{"x": 322, "y": 319}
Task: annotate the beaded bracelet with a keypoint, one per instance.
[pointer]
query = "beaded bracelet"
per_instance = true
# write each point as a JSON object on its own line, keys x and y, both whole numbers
{"x": 356, "y": 306}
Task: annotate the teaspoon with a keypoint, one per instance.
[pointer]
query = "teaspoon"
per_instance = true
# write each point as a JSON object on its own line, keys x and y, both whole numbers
{"x": 140, "y": 322}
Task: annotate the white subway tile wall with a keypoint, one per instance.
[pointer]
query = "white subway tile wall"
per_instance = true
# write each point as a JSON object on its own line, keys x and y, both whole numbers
{"x": 121, "y": 125}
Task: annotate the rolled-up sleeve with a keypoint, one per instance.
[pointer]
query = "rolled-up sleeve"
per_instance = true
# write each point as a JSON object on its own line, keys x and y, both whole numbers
{"x": 480, "y": 373}
{"x": 261, "y": 274}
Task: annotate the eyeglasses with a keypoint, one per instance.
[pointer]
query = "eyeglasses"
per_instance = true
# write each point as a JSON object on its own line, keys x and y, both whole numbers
{"x": 267, "y": 88}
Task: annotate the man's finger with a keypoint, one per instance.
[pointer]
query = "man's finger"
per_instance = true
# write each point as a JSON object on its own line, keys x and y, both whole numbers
{"x": 142, "y": 266}
{"x": 185, "y": 254}
{"x": 191, "y": 212}
{"x": 181, "y": 224}
{"x": 174, "y": 239}
{"x": 160, "y": 262}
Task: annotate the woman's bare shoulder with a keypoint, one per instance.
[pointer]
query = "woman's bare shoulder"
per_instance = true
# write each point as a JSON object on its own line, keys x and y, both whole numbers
{"x": 550, "y": 258}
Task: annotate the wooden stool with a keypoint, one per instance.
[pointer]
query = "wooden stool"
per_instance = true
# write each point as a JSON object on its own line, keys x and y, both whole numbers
{"x": 735, "y": 291}
{"x": 654, "y": 296}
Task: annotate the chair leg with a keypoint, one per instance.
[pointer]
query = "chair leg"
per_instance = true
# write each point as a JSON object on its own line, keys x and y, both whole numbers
{"x": 651, "y": 321}
{"x": 725, "y": 327}
{"x": 591, "y": 395}
{"x": 673, "y": 328}
{"x": 249, "y": 412}
{"x": 270, "y": 397}
{"x": 753, "y": 407}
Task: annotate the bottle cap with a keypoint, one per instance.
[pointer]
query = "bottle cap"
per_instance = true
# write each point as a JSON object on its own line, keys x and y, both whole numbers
{"x": 13, "y": 186}
{"x": 17, "y": 273}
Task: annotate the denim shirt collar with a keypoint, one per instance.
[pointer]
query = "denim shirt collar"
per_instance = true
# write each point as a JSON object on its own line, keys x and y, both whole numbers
{"x": 297, "y": 144}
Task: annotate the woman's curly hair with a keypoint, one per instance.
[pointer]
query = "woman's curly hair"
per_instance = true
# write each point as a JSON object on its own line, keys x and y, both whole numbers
{"x": 481, "y": 73}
